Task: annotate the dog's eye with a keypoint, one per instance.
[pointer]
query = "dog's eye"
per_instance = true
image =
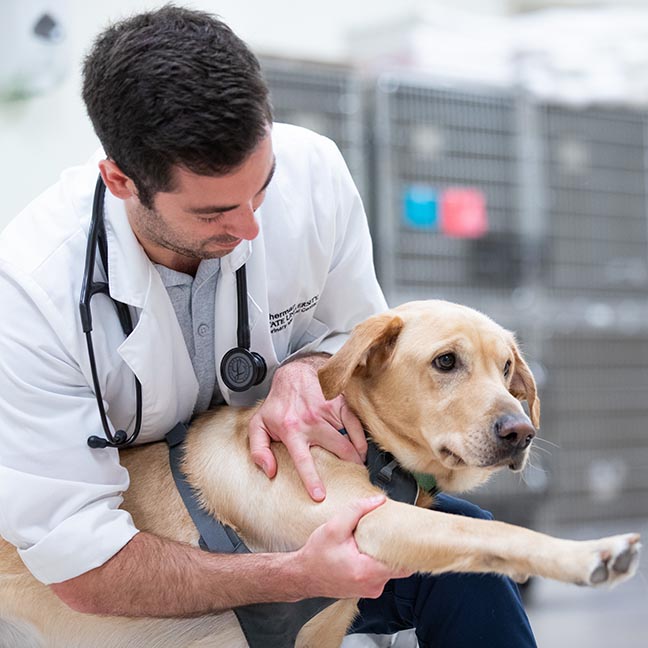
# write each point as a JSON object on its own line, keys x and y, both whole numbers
{"x": 507, "y": 369}
{"x": 445, "y": 362}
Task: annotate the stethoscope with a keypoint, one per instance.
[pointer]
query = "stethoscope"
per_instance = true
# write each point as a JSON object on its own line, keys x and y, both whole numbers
{"x": 240, "y": 368}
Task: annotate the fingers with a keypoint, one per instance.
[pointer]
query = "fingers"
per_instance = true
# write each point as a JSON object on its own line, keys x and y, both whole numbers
{"x": 343, "y": 525}
{"x": 300, "y": 424}
{"x": 260, "y": 449}
{"x": 354, "y": 429}
{"x": 299, "y": 451}
{"x": 298, "y": 445}
{"x": 332, "y": 440}
{"x": 333, "y": 560}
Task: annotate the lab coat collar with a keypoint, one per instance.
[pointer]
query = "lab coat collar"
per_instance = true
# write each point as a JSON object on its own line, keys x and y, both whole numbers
{"x": 129, "y": 268}
{"x": 237, "y": 257}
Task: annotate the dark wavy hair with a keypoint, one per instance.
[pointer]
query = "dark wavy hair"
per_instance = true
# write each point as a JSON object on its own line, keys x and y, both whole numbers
{"x": 174, "y": 87}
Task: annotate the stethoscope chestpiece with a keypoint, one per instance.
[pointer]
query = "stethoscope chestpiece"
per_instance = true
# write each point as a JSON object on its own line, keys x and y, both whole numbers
{"x": 242, "y": 369}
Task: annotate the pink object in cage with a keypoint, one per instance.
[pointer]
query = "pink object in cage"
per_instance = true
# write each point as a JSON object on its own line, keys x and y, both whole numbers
{"x": 463, "y": 212}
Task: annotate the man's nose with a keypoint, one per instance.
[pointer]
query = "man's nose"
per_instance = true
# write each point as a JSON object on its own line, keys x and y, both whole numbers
{"x": 244, "y": 224}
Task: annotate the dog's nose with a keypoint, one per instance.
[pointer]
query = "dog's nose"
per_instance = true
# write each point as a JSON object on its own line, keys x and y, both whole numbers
{"x": 514, "y": 431}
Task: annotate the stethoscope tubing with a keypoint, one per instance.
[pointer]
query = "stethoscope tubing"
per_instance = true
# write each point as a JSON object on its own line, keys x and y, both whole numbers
{"x": 89, "y": 288}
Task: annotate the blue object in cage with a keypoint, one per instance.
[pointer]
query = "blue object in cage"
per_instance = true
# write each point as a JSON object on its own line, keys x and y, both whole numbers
{"x": 421, "y": 207}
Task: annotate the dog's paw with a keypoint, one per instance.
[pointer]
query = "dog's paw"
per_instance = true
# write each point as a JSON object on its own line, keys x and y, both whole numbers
{"x": 615, "y": 560}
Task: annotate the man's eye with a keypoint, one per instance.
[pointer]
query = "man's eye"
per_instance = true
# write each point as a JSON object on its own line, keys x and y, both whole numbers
{"x": 445, "y": 362}
{"x": 507, "y": 369}
{"x": 209, "y": 219}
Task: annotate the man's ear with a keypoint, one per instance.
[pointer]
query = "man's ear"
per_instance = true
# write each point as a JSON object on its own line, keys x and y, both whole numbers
{"x": 370, "y": 346}
{"x": 116, "y": 181}
{"x": 523, "y": 385}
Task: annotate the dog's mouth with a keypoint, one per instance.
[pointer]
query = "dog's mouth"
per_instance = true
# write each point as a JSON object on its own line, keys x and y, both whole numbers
{"x": 451, "y": 456}
{"x": 517, "y": 463}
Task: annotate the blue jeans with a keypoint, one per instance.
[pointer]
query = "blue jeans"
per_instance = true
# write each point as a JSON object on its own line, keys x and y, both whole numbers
{"x": 451, "y": 610}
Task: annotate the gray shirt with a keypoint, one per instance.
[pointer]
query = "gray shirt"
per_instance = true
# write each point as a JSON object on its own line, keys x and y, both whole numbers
{"x": 193, "y": 300}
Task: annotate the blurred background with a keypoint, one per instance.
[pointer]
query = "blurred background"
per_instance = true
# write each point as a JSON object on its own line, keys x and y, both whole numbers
{"x": 501, "y": 149}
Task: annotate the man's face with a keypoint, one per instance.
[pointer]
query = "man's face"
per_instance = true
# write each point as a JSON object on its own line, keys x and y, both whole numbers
{"x": 204, "y": 216}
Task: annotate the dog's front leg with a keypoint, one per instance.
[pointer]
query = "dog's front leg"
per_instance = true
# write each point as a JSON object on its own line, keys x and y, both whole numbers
{"x": 327, "y": 629}
{"x": 409, "y": 537}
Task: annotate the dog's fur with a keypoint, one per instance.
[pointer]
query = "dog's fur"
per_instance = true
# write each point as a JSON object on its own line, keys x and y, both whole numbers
{"x": 460, "y": 424}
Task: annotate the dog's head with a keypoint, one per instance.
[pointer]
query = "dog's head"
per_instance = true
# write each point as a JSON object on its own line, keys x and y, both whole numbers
{"x": 438, "y": 385}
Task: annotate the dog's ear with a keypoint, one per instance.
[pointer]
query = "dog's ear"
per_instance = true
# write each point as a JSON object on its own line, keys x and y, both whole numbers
{"x": 523, "y": 385}
{"x": 370, "y": 347}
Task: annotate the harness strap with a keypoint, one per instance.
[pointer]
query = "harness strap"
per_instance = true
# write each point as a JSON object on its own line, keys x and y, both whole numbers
{"x": 263, "y": 624}
{"x": 213, "y": 535}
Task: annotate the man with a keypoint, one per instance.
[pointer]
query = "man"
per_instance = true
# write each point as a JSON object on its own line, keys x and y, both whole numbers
{"x": 199, "y": 183}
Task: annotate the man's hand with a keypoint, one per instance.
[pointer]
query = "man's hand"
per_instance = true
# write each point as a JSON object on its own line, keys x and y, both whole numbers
{"x": 335, "y": 566}
{"x": 296, "y": 413}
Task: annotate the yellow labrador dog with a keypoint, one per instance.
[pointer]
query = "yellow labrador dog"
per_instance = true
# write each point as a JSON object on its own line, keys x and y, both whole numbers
{"x": 436, "y": 384}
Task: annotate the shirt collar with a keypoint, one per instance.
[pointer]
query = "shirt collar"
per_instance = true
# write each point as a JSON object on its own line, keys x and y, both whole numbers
{"x": 206, "y": 270}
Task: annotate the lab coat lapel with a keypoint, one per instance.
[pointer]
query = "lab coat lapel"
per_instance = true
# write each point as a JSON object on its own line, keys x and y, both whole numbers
{"x": 155, "y": 351}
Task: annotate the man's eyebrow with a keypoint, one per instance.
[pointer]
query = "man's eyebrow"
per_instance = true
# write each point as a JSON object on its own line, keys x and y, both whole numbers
{"x": 211, "y": 209}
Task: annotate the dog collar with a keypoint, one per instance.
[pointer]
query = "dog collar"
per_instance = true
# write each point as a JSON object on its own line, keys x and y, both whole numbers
{"x": 427, "y": 482}
{"x": 386, "y": 473}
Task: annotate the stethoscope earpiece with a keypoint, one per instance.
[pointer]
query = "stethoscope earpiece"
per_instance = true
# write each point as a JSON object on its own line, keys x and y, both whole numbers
{"x": 119, "y": 440}
{"x": 97, "y": 442}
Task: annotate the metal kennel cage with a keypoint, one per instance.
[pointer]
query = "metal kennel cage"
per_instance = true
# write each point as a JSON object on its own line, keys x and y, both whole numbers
{"x": 452, "y": 219}
{"x": 325, "y": 98}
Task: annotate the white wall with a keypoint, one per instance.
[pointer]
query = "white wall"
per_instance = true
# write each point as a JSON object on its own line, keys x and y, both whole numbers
{"x": 42, "y": 135}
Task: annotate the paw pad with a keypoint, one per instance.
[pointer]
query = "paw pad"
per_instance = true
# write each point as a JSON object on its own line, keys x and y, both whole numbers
{"x": 618, "y": 561}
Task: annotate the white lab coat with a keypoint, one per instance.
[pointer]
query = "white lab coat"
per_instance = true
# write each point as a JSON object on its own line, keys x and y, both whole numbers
{"x": 310, "y": 273}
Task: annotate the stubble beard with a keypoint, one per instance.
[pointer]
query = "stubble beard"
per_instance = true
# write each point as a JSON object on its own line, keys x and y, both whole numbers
{"x": 151, "y": 225}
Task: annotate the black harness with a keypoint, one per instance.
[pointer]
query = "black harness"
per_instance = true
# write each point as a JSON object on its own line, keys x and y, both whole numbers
{"x": 277, "y": 624}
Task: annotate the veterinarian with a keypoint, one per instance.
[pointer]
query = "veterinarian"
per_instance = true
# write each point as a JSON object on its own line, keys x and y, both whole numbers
{"x": 198, "y": 184}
